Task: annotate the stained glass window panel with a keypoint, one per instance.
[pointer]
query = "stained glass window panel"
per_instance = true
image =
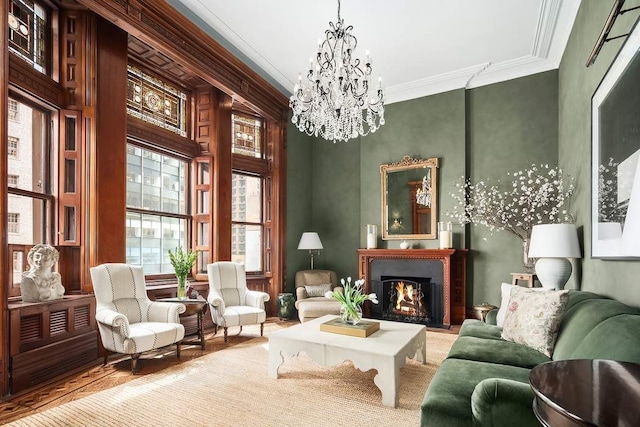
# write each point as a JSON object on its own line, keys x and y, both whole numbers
{"x": 156, "y": 101}
{"x": 247, "y": 135}
{"x": 27, "y": 25}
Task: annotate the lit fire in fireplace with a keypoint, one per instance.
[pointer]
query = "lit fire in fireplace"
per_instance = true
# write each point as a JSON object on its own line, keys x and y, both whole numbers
{"x": 408, "y": 300}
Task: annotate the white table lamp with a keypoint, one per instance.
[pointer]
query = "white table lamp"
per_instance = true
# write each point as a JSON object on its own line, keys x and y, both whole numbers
{"x": 310, "y": 241}
{"x": 552, "y": 245}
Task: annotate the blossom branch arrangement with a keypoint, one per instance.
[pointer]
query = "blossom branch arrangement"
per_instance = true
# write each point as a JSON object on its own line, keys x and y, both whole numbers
{"x": 351, "y": 298}
{"x": 537, "y": 195}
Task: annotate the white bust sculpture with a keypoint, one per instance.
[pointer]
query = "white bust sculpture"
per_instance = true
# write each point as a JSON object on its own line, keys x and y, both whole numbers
{"x": 40, "y": 283}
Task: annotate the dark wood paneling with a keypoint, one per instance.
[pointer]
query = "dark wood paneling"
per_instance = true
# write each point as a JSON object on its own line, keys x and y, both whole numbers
{"x": 51, "y": 338}
{"x": 109, "y": 195}
{"x": 37, "y": 85}
{"x": 160, "y": 26}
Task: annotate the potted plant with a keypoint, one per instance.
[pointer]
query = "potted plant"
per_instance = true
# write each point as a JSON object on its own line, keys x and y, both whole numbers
{"x": 182, "y": 263}
{"x": 351, "y": 298}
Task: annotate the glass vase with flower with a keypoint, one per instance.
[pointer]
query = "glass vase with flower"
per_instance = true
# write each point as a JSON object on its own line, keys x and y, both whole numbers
{"x": 182, "y": 263}
{"x": 351, "y": 298}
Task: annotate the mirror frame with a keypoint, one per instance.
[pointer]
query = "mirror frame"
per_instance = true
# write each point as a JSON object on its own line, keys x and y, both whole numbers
{"x": 408, "y": 163}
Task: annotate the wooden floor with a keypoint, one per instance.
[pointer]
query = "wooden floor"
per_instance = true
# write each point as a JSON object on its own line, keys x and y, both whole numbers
{"x": 118, "y": 371}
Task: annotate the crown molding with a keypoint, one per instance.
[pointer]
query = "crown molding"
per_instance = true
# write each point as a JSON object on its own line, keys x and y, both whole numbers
{"x": 555, "y": 21}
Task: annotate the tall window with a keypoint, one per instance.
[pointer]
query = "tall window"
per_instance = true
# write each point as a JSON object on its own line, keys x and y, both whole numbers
{"x": 247, "y": 224}
{"x": 28, "y": 22}
{"x": 157, "y": 217}
{"x": 30, "y": 198}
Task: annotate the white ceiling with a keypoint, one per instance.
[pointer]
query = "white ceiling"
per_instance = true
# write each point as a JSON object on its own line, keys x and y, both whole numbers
{"x": 419, "y": 47}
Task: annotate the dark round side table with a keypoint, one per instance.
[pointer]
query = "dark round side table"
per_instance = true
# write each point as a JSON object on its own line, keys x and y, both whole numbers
{"x": 585, "y": 392}
{"x": 197, "y": 306}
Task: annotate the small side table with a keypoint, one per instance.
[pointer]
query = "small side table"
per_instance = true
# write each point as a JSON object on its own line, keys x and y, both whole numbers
{"x": 483, "y": 309}
{"x": 197, "y": 306}
{"x": 583, "y": 392}
{"x": 530, "y": 278}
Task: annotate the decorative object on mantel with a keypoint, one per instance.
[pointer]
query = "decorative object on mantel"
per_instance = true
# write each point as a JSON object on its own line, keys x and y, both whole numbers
{"x": 311, "y": 241}
{"x": 351, "y": 298}
{"x": 404, "y": 245}
{"x": 537, "y": 195}
{"x": 182, "y": 263}
{"x": 552, "y": 245}
{"x": 40, "y": 283}
{"x": 331, "y": 104}
{"x": 445, "y": 235}
{"x": 372, "y": 236}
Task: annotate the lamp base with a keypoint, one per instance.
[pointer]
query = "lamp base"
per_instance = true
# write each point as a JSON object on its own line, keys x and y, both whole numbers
{"x": 553, "y": 273}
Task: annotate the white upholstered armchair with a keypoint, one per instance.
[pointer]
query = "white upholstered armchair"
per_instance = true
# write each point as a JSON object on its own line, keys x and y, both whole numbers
{"x": 128, "y": 321}
{"x": 232, "y": 304}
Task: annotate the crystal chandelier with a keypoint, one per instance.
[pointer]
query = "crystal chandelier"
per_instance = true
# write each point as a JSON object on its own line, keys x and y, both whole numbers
{"x": 423, "y": 195}
{"x": 335, "y": 103}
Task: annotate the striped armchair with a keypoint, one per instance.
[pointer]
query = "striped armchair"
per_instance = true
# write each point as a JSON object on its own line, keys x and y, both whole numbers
{"x": 128, "y": 321}
{"x": 232, "y": 304}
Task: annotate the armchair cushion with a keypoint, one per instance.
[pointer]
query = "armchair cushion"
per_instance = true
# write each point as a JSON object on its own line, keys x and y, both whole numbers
{"x": 317, "y": 290}
{"x": 502, "y": 402}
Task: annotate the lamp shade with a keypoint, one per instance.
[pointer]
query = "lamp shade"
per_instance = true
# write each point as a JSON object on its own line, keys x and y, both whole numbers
{"x": 310, "y": 240}
{"x": 554, "y": 241}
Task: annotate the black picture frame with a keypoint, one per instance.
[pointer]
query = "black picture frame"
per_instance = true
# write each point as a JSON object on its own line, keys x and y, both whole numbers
{"x": 615, "y": 161}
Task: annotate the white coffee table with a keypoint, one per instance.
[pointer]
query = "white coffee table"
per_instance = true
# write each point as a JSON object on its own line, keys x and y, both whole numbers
{"x": 386, "y": 350}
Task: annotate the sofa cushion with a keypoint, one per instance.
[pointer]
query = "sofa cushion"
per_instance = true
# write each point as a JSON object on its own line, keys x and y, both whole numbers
{"x": 447, "y": 401}
{"x": 496, "y": 351}
{"x": 505, "y": 297}
{"x": 585, "y": 311}
{"x": 533, "y": 318}
{"x": 480, "y": 329}
{"x": 615, "y": 338}
{"x": 501, "y": 402}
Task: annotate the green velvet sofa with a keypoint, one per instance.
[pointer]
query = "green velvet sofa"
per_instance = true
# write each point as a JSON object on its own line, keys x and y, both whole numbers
{"x": 485, "y": 380}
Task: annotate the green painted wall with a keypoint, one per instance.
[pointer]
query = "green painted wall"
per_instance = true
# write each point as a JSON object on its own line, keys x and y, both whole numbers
{"x": 511, "y": 125}
{"x": 299, "y": 201}
{"x": 577, "y": 84}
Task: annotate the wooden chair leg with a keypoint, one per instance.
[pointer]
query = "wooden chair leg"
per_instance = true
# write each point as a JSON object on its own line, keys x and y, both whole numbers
{"x": 225, "y": 335}
{"x": 106, "y": 356}
{"x": 261, "y": 328}
{"x": 178, "y": 349}
{"x": 134, "y": 363}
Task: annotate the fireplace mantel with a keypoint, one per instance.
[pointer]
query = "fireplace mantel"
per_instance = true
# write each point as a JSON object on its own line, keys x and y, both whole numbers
{"x": 454, "y": 264}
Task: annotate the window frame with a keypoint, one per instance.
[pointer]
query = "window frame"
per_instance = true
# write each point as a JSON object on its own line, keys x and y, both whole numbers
{"x": 187, "y": 216}
{"x": 261, "y": 223}
{"x": 49, "y": 149}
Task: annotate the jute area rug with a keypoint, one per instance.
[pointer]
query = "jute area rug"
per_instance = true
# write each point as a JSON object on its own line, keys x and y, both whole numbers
{"x": 231, "y": 388}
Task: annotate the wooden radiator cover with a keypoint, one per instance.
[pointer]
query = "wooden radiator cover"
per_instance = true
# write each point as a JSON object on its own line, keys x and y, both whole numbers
{"x": 49, "y": 339}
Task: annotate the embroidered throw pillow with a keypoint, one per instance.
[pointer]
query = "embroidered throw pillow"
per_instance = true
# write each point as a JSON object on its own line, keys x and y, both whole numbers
{"x": 317, "y": 290}
{"x": 533, "y": 318}
{"x": 504, "y": 302}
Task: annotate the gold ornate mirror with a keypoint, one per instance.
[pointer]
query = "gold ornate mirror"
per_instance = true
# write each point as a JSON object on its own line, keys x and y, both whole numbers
{"x": 409, "y": 199}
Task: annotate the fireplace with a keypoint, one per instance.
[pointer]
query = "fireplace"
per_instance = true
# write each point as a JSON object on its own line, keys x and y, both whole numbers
{"x": 408, "y": 299}
{"x": 441, "y": 274}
